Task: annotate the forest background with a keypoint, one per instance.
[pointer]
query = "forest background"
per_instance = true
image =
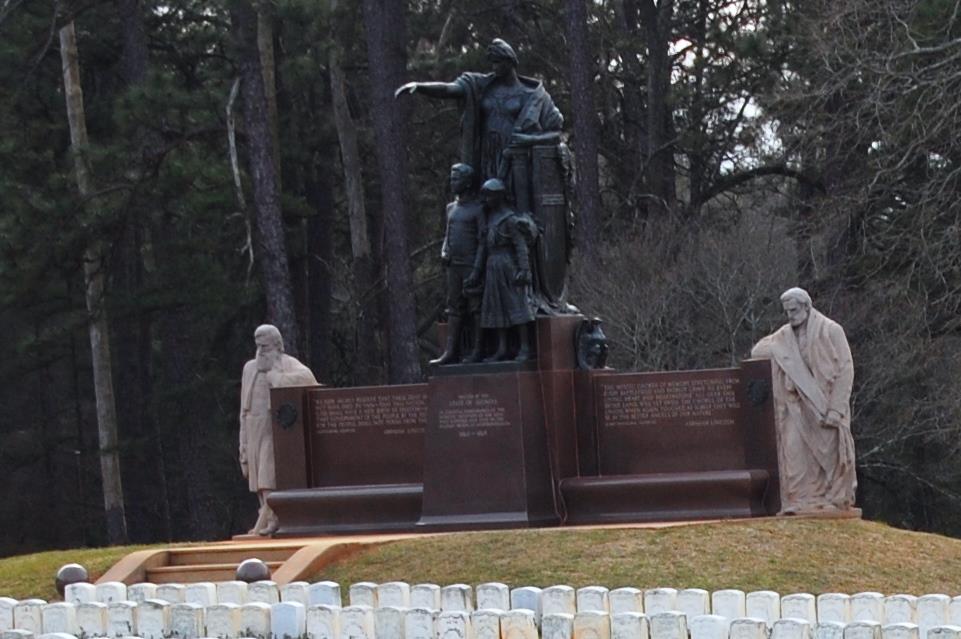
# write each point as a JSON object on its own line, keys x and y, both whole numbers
{"x": 176, "y": 172}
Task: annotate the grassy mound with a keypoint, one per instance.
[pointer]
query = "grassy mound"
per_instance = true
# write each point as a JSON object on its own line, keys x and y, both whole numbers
{"x": 783, "y": 555}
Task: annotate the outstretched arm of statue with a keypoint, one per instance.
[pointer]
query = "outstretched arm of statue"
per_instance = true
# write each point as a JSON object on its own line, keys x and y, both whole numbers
{"x": 432, "y": 89}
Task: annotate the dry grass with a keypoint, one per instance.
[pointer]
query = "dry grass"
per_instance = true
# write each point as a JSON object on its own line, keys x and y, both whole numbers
{"x": 783, "y": 555}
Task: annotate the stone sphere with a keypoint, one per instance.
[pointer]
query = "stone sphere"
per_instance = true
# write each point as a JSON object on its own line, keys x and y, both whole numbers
{"x": 70, "y": 574}
{"x": 251, "y": 570}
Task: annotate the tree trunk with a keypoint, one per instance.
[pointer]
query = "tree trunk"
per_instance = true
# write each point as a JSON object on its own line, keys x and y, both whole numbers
{"x": 320, "y": 257}
{"x": 274, "y": 266}
{"x": 265, "y": 47}
{"x": 581, "y": 66}
{"x": 660, "y": 153}
{"x": 385, "y": 28}
{"x": 93, "y": 271}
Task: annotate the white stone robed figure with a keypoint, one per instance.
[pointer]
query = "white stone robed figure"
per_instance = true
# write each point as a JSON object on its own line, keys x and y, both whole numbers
{"x": 812, "y": 374}
{"x": 271, "y": 368}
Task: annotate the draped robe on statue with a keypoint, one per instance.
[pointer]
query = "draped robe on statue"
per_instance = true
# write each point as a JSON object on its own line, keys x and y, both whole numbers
{"x": 256, "y": 431}
{"x": 812, "y": 377}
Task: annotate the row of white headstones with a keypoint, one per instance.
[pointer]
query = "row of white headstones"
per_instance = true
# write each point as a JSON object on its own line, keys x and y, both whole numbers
{"x": 397, "y": 610}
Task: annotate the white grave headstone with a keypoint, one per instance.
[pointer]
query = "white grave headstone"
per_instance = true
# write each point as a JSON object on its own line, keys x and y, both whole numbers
{"x": 171, "y": 593}
{"x": 425, "y": 596}
{"x": 748, "y": 628}
{"x": 629, "y": 625}
{"x": 153, "y": 618}
{"x": 265, "y": 591}
{"x": 357, "y": 622}
{"x": 900, "y": 631}
{"x": 79, "y": 593}
{"x": 255, "y": 619}
{"x": 828, "y": 629}
{"x": 667, "y": 625}
{"x": 59, "y": 617}
{"x": 658, "y": 600}
{"x": 486, "y": 622}
{"x": 557, "y": 625}
{"x": 393, "y": 593}
{"x": 28, "y": 615}
{"x": 296, "y": 591}
{"x": 141, "y": 592}
{"x": 954, "y": 612}
{"x": 558, "y": 599}
{"x": 187, "y": 621}
{"x": 834, "y": 606}
{"x": 288, "y": 620}
{"x": 800, "y": 605}
{"x": 6, "y": 613}
{"x": 234, "y": 592}
{"x": 790, "y": 628}
{"x": 363, "y": 593}
{"x": 202, "y": 593}
{"x": 456, "y": 597}
{"x": 709, "y": 627}
{"x": 592, "y": 624}
{"x": 493, "y": 596}
{"x": 16, "y": 634}
{"x": 419, "y": 622}
{"x": 693, "y": 602}
{"x": 324, "y": 593}
{"x": 455, "y": 624}
{"x": 528, "y": 598}
{"x": 728, "y": 603}
{"x": 517, "y": 624}
{"x": 110, "y": 591}
{"x": 323, "y": 621}
{"x": 92, "y": 619}
{"x": 862, "y": 630}
{"x": 900, "y": 609}
{"x": 932, "y": 610}
{"x": 763, "y": 604}
{"x": 867, "y": 606}
{"x": 223, "y": 621}
{"x": 945, "y": 632}
{"x": 593, "y": 598}
{"x": 626, "y": 599}
{"x": 389, "y": 622}
{"x": 58, "y": 635}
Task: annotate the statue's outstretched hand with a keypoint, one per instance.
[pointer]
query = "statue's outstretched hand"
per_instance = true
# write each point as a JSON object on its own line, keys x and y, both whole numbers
{"x": 243, "y": 462}
{"x": 407, "y": 89}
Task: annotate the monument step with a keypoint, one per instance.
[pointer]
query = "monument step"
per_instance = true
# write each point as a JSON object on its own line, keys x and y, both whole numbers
{"x": 199, "y": 572}
{"x": 213, "y": 555}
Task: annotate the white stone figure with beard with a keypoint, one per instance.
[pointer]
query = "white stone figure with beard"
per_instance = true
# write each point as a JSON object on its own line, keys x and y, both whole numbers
{"x": 271, "y": 368}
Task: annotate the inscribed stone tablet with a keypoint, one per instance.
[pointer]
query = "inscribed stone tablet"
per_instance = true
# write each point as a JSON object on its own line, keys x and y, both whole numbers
{"x": 693, "y": 602}
{"x": 862, "y": 630}
{"x": 800, "y": 605}
{"x": 900, "y": 631}
{"x": 389, "y": 622}
{"x": 867, "y": 606}
{"x": 187, "y": 621}
{"x": 728, "y": 603}
{"x": 834, "y": 606}
{"x": 629, "y": 625}
{"x": 790, "y": 628}
{"x": 265, "y": 591}
{"x": 658, "y": 600}
{"x": 296, "y": 591}
{"x": 425, "y": 596}
{"x": 324, "y": 593}
{"x": 593, "y": 598}
{"x": 223, "y": 621}
{"x": 59, "y": 617}
{"x": 79, "y": 593}
{"x": 363, "y": 593}
{"x": 92, "y": 619}
{"x": 357, "y": 622}
{"x": 592, "y": 624}
{"x": 559, "y": 599}
{"x": 709, "y": 627}
{"x": 28, "y": 615}
{"x": 6, "y": 613}
{"x": 202, "y": 593}
{"x": 493, "y": 596}
{"x": 419, "y": 622}
{"x": 171, "y": 593}
{"x": 900, "y": 609}
{"x": 110, "y": 591}
{"x": 234, "y": 592}
{"x": 748, "y": 628}
{"x": 557, "y": 625}
{"x": 141, "y": 592}
{"x": 455, "y": 624}
{"x": 456, "y": 597}
{"x": 518, "y": 624}
{"x": 763, "y": 604}
{"x": 626, "y": 600}
{"x": 486, "y": 622}
{"x": 828, "y": 630}
{"x": 666, "y": 625}
{"x": 255, "y": 619}
{"x": 932, "y": 610}
{"x": 288, "y": 620}
{"x": 394, "y": 593}
{"x": 323, "y": 622}
{"x": 944, "y": 632}
{"x": 153, "y": 617}
{"x": 528, "y": 598}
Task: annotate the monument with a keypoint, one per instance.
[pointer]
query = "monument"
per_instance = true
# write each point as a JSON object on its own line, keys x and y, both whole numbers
{"x": 520, "y": 422}
{"x": 813, "y": 375}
